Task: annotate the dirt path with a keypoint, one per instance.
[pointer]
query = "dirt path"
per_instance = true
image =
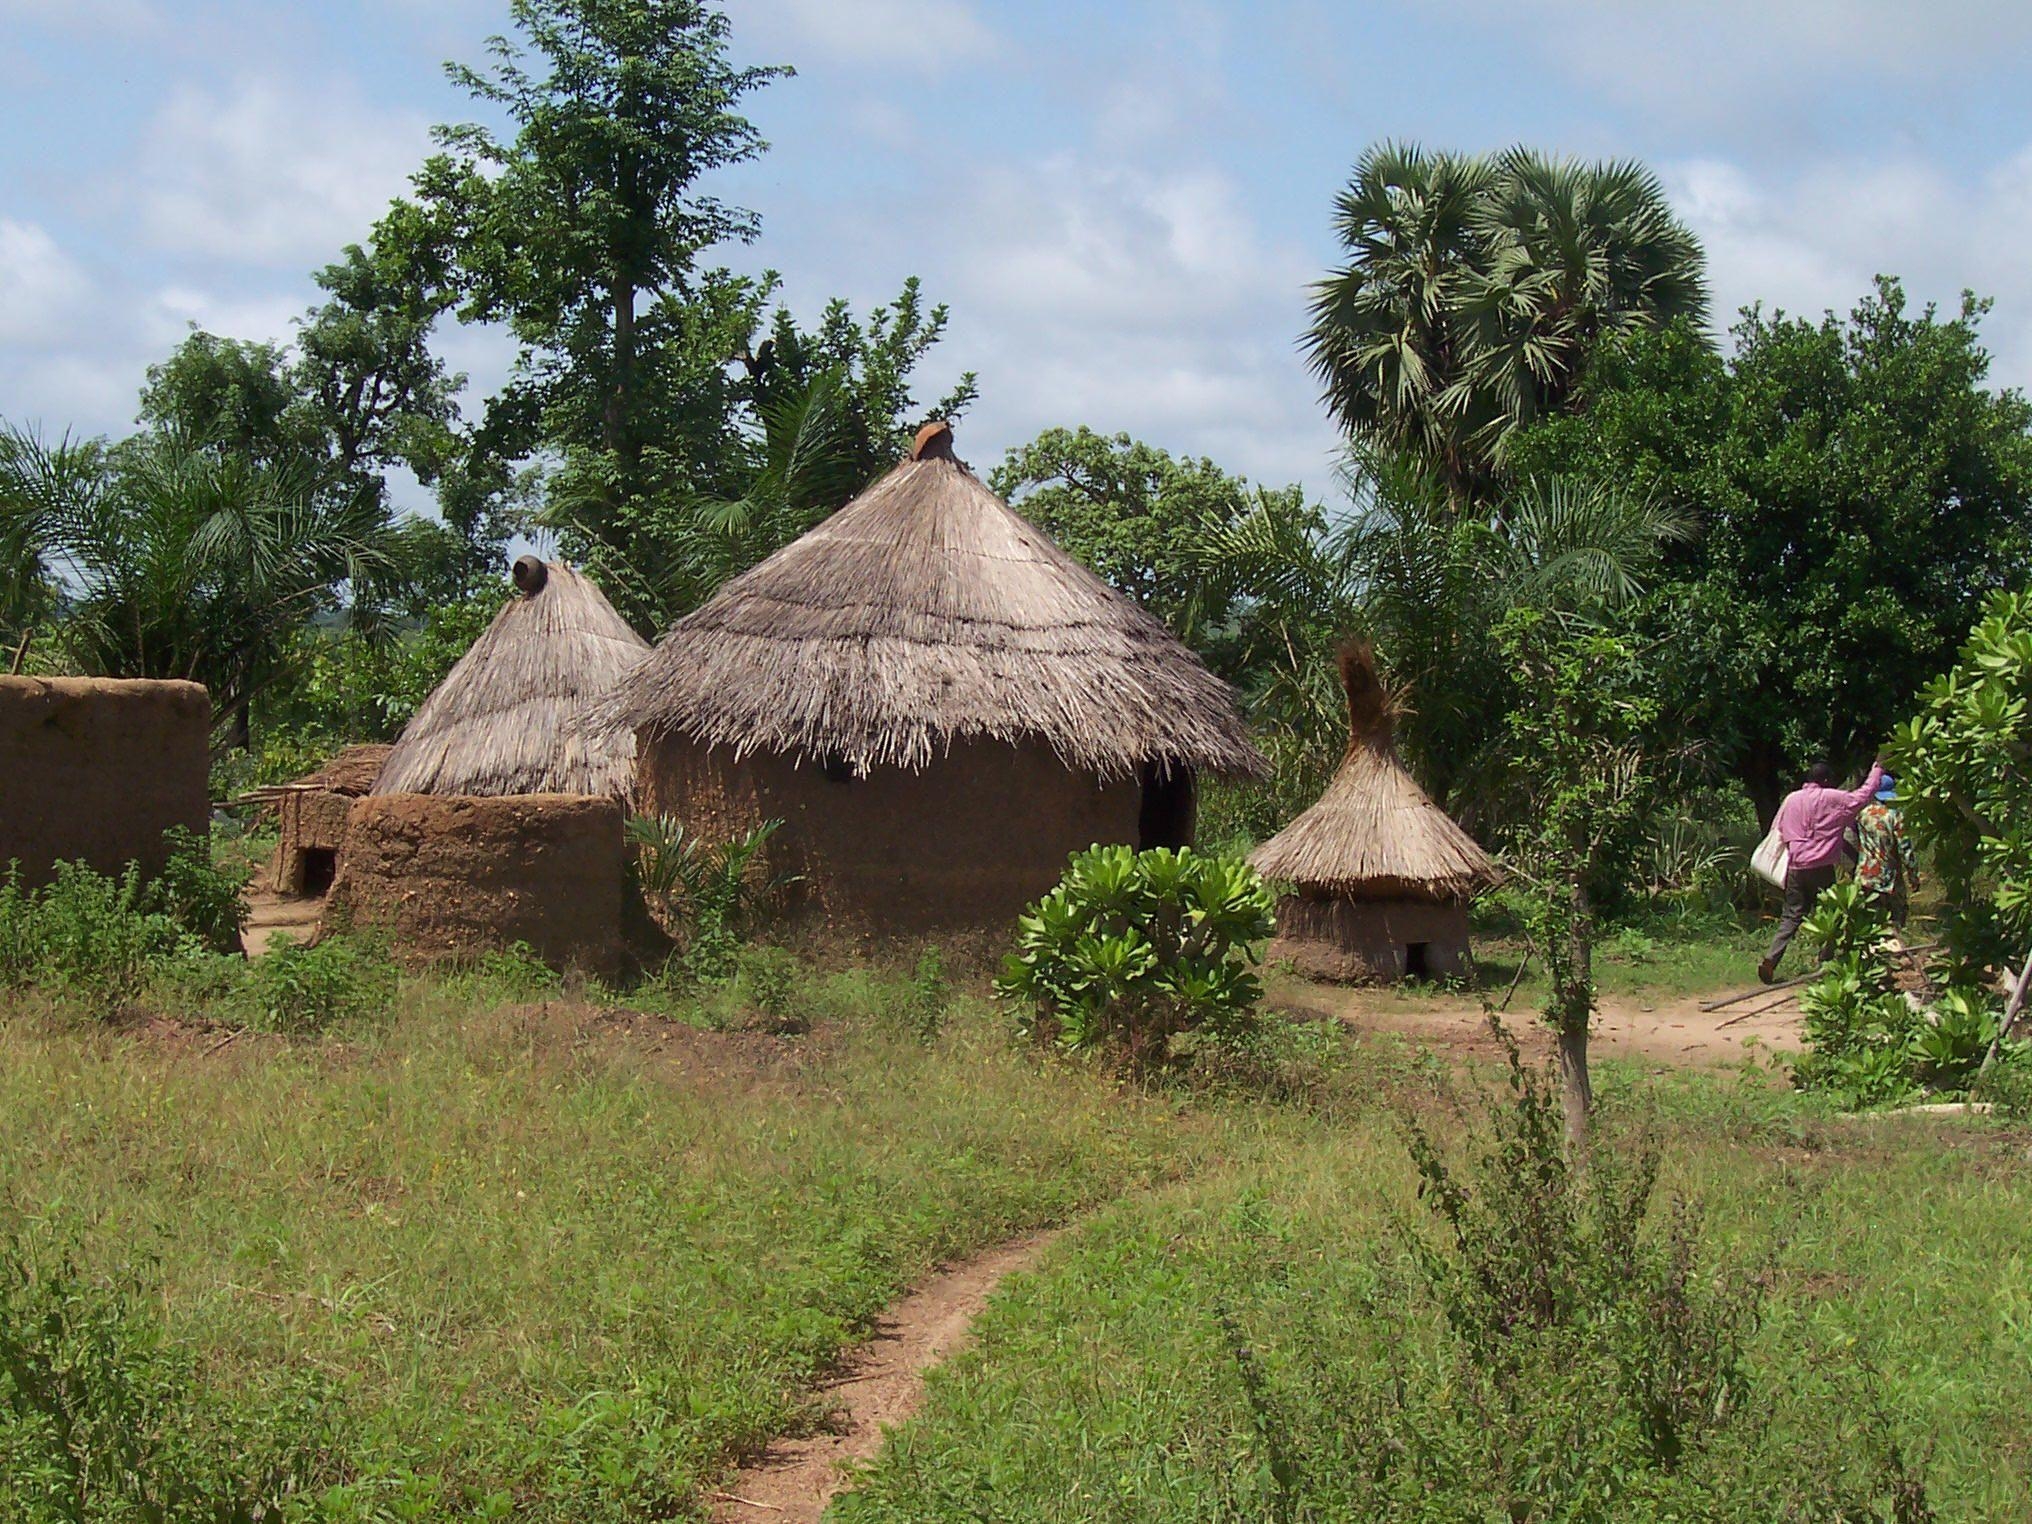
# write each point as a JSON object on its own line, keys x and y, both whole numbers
{"x": 269, "y": 913}
{"x": 1671, "y": 1030}
{"x": 883, "y": 1384}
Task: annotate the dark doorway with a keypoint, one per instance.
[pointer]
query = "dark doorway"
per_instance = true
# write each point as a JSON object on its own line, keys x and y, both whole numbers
{"x": 1169, "y": 807}
{"x": 1415, "y": 964}
{"x": 320, "y": 867}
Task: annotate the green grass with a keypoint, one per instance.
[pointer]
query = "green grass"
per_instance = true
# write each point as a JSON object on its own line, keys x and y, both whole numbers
{"x": 551, "y": 1262}
{"x": 1106, "y": 1386}
{"x": 547, "y": 1269}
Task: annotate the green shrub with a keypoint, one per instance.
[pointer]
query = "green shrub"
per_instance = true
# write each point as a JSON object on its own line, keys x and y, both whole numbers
{"x": 201, "y": 897}
{"x": 83, "y": 936}
{"x": 1866, "y": 1043}
{"x": 305, "y": 988}
{"x": 104, "y": 1420}
{"x": 705, "y": 893}
{"x": 1134, "y": 949}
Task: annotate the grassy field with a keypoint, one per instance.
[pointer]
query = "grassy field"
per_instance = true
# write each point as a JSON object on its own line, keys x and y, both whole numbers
{"x": 508, "y": 1252}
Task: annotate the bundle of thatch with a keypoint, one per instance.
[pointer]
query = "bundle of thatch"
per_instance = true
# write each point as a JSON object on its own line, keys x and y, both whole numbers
{"x": 351, "y": 773}
{"x": 1375, "y": 834}
{"x": 503, "y": 720}
{"x": 925, "y": 614}
{"x": 1382, "y": 874}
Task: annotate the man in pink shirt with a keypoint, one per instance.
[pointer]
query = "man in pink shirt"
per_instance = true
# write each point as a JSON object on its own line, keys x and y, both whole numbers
{"x": 1811, "y": 822}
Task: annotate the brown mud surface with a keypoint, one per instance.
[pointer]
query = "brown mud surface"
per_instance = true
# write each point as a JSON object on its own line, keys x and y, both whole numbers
{"x": 881, "y": 1385}
{"x": 1670, "y": 1030}
{"x": 269, "y": 913}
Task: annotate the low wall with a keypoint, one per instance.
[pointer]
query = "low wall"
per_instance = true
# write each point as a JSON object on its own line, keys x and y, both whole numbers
{"x": 445, "y": 876}
{"x": 98, "y": 769}
{"x": 1370, "y": 941}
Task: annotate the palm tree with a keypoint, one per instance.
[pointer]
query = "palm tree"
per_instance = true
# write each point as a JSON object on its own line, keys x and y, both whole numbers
{"x": 1475, "y": 291}
{"x": 180, "y": 561}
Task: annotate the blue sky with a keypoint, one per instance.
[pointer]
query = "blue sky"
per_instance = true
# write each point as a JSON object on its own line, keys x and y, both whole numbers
{"x": 1123, "y": 204}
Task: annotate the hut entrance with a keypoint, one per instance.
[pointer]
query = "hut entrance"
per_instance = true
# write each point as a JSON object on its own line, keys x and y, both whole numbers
{"x": 1167, "y": 815}
{"x": 320, "y": 867}
{"x": 1416, "y": 963}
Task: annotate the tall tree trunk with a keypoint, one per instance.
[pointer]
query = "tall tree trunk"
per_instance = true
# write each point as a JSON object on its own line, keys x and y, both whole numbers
{"x": 1576, "y": 1009}
{"x": 617, "y": 421}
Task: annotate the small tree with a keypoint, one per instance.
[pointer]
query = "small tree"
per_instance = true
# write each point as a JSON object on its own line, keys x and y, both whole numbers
{"x": 1581, "y": 747}
{"x": 1134, "y": 948}
{"x": 1964, "y": 765}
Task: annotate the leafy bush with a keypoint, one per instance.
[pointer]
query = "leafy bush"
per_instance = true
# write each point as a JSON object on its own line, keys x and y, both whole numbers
{"x": 302, "y": 988}
{"x": 706, "y": 893}
{"x": 1133, "y": 949}
{"x": 1866, "y": 1043}
{"x": 201, "y": 897}
{"x": 102, "y": 1418}
{"x": 83, "y": 936}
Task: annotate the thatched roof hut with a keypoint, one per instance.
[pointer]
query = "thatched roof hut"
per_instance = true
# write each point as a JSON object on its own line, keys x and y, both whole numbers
{"x": 1383, "y": 875}
{"x": 938, "y": 701}
{"x": 503, "y": 720}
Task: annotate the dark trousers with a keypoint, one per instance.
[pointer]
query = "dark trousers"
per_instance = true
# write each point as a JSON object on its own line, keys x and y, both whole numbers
{"x": 1802, "y": 887}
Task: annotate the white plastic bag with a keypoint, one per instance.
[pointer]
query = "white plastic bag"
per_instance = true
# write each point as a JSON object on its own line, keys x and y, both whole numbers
{"x": 1770, "y": 860}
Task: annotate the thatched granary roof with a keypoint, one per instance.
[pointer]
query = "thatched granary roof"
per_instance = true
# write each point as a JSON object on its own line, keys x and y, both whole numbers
{"x": 1374, "y": 834}
{"x": 352, "y": 771}
{"x": 502, "y": 720}
{"x": 928, "y": 612}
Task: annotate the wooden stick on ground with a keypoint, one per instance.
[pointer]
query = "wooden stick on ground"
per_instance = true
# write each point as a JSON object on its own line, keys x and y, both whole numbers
{"x": 2012, "y": 1009}
{"x": 1762, "y": 989}
{"x": 1515, "y": 980}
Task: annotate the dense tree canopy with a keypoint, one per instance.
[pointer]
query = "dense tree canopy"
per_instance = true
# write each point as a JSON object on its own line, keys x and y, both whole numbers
{"x": 1859, "y": 493}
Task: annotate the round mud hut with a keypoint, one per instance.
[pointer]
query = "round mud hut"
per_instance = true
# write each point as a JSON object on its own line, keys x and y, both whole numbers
{"x": 1382, "y": 875}
{"x": 502, "y": 721}
{"x": 937, "y": 702}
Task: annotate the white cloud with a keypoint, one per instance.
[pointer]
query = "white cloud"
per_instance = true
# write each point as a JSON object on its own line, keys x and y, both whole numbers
{"x": 1811, "y": 240}
{"x": 1708, "y": 62}
{"x": 925, "y": 36}
{"x": 42, "y": 291}
{"x": 268, "y": 174}
{"x": 1086, "y": 291}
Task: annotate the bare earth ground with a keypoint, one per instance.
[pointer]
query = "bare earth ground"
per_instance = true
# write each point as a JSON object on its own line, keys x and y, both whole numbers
{"x": 269, "y": 913}
{"x": 794, "y": 1479}
{"x": 1670, "y": 1030}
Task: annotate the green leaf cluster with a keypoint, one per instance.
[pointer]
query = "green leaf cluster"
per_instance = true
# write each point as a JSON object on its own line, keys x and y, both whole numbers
{"x": 1132, "y": 950}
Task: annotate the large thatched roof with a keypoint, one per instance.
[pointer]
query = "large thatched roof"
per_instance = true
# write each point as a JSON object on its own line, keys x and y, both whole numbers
{"x": 926, "y": 612}
{"x": 1374, "y": 834}
{"x": 501, "y": 721}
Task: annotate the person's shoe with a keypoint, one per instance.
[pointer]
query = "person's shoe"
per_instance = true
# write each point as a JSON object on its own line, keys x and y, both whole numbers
{"x": 1767, "y": 971}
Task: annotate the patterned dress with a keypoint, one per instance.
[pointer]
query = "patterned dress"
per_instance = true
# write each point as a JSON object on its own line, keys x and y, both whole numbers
{"x": 1884, "y": 856}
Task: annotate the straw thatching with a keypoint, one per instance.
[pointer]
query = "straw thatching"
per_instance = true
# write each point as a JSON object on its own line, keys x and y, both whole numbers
{"x": 351, "y": 773}
{"x": 923, "y": 614}
{"x": 1374, "y": 834}
{"x": 502, "y": 720}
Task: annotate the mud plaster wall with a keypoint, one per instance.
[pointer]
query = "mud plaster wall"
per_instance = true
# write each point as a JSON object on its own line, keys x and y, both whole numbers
{"x": 967, "y": 842}
{"x": 1366, "y": 941}
{"x": 99, "y": 768}
{"x": 450, "y": 875}
{"x": 311, "y": 820}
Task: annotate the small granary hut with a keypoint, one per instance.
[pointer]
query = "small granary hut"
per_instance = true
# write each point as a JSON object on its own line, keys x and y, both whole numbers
{"x": 937, "y": 702}
{"x": 1382, "y": 875}
{"x": 501, "y": 721}
{"x": 310, "y": 815}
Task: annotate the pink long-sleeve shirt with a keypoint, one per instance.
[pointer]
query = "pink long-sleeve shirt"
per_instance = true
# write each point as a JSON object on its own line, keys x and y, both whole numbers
{"x": 1812, "y": 820}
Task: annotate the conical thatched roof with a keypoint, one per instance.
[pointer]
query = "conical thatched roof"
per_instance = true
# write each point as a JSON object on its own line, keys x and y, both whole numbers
{"x": 926, "y": 612}
{"x": 502, "y": 720}
{"x": 1374, "y": 834}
